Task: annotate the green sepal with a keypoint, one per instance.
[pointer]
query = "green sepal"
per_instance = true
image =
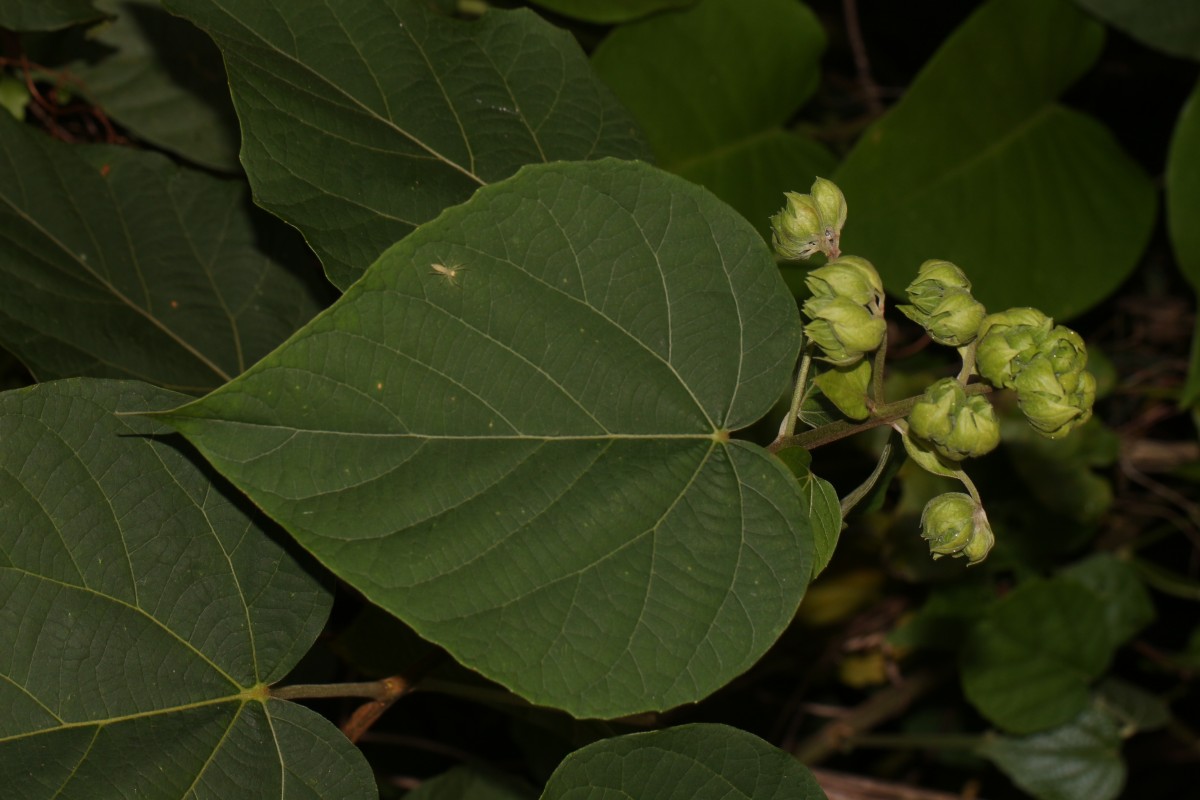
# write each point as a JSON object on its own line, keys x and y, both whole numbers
{"x": 846, "y": 388}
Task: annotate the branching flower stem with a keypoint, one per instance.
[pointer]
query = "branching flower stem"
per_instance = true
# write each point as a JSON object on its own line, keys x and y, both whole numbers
{"x": 882, "y": 415}
{"x": 798, "y": 395}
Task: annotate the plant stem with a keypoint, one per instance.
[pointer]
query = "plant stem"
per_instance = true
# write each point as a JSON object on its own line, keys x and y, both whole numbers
{"x": 885, "y": 414}
{"x": 789, "y": 425}
{"x": 967, "y": 352}
{"x": 877, "y": 397}
{"x": 314, "y": 691}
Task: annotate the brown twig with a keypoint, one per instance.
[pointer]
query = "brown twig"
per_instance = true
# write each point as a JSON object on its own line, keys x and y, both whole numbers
{"x": 880, "y": 707}
{"x": 840, "y": 786}
{"x": 870, "y": 90}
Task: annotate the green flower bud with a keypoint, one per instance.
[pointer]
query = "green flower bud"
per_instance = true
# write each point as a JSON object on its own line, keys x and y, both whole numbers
{"x": 942, "y": 304}
{"x": 954, "y": 525}
{"x": 843, "y": 329}
{"x": 848, "y": 276}
{"x": 810, "y": 223}
{"x": 954, "y": 425}
{"x": 1007, "y": 341}
{"x": 1054, "y": 405}
{"x": 796, "y": 231}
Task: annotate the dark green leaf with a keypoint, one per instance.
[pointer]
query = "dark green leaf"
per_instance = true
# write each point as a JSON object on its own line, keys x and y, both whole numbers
{"x": 1183, "y": 209}
{"x": 821, "y": 504}
{"x": 117, "y": 263}
{"x": 162, "y": 79}
{"x": 690, "y": 762}
{"x": 1166, "y": 581}
{"x": 144, "y": 609}
{"x": 713, "y": 86}
{"x": 527, "y": 460}
{"x": 364, "y": 118}
{"x": 1028, "y": 663}
{"x": 46, "y": 15}
{"x": 1058, "y": 472}
{"x": 1172, "y": 26}
{"x": 1080, "y": 760}
{"x": 978, "y": 164}
{"x": 609, "y": 11}
{"x": 471, "y": 783}
{"x": 947, "y": 617}
{"x": 1126, "y": 603}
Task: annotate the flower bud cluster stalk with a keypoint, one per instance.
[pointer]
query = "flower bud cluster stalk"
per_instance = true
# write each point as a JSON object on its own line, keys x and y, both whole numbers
{"x": 1022, "y": 349}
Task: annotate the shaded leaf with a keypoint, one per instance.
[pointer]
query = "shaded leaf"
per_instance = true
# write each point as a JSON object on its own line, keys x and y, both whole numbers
{"x": 529, "y": 463}
{"x": 143, "y": 608}
{"x": 979, "y": 165}
{"x": 609, "y": 11}
{"x": 364, "y": 118}
{"x": 117, "y": 263}
{"x": 163, "y": 80}
{"x": 713, "y": 86}
{"x": 471, "y": 783}
{"x": 46, "y": 15}
{"x": 1058, "y": 472}
{"x": 1172, "y": 26}
{"x": 820, "y": 503}
{"x": 1183, "y": 209}
{"x": 1126, "y": 603}
{"x": 1134, "y": 708}
{"x": 846, "y": 388}
{"x": 1077, "y": 761}
{"x": 696, "y": 762}
{"x": 1028, "y": 663}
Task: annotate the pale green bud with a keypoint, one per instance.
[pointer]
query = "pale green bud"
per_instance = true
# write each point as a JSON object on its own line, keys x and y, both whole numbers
{"x": 953, "y": 424}
{"x": 810, "y": 223}
{"x": 942, "y": 304}
{"x": 842, "y": 328}
{"x": 1007, "y": 341}
{"x": 796, "y": 230}
{"x": 954, "y": 525}
{"x": 1054, "y": 404}
{"x": 849, "y": 276}
{"x": 831, "y": 204}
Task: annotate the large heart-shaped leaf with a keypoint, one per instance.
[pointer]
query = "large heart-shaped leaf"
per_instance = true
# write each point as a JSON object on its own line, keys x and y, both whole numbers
{"x": 163, "y": 80}
{"x": 1172, "y": 26}
{"x": 362, "y": 119}
{"x": 1028, "y": 662}
{"x": 978, "y": 164}
{"x": 513, "y": 434}
{"x": 46, "y": 15}
{"x": 117, "y": 263}
{"x": 143, "y": 608}
{"x": 696, "y": 762}
{"x": 713, "y": 86}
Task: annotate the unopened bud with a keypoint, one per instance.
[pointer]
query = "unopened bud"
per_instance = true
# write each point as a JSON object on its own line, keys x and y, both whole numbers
{"x": 810, "y": 223}
{"x": 955, "y": 425}
{"x": 954, "y": 525}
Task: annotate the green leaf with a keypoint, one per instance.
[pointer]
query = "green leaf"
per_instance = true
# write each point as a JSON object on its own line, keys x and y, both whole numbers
{"x": 46, "y": 15}
{"x": 1080, "y": 760}
{"x": 1059, "y": 472}
{"x": 163, "y": 80}
{"x": 529, "y": 463}
{"x": 14, "y": 96}
{"x": 1126, "y": 603}
{"x": 1183, "y": 208}
{"x": 979, "y": 165}
{"x": 472, "y": 783}
{"x": 820, "y": 503}
{"x": 713, "y": 86}
{"x": 116, "y": 263}
{"x": 1132, "y": 706}
{"x": 1028, "y": 662}
{"x": 607, "y": 12}
{"x": 1166, "y": 581}
{"x": 143, "y": 607}
{"x": 1172, "y": 26}
{"x": 697, "y": 762}
{"x": 364, "y": 118}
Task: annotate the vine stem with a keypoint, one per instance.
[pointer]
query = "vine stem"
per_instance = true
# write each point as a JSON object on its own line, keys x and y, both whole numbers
{"x": 882, "y": 415}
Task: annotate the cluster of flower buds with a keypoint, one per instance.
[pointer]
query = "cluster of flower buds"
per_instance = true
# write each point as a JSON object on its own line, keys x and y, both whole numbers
{"x": 810, "y": 223}
{"x": 953, "y": 424}
{"x": 1022, "y": 349}
{"x": 955, "y": 525}
{"x": 846, "y": 309}
{"x": 942, "y": 304}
